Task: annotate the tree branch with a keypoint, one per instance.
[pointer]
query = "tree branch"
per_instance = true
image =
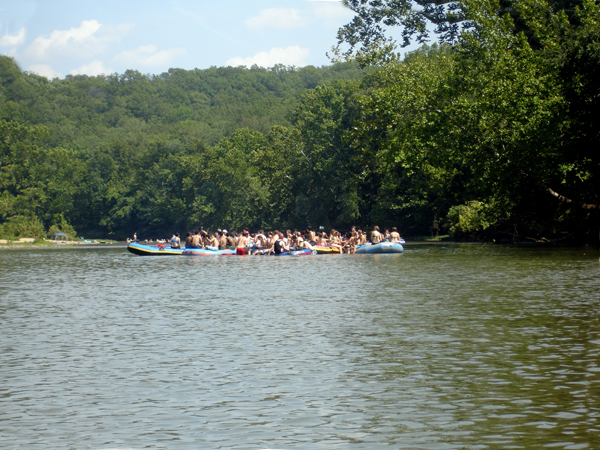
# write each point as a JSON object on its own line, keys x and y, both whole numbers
{"x": 564, "y": 199}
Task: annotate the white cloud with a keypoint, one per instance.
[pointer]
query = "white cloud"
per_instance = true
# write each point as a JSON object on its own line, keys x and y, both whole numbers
{"x": 275, "y": 18}
{"x": 93, "y": 69}
{"x": 44, "y": 70}
{"x": 16, "y": 39}
{"x": 290, "y": 56}
{"x": 89, "y": 38}
{"x": 332, "y": 10}
{"x": 148, "y": 56}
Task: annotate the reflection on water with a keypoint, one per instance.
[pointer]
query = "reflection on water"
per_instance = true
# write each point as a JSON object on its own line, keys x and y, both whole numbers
{"x": 442, "y": 347}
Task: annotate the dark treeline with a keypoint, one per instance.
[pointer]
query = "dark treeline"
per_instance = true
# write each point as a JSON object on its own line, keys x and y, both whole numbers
{"x": 493, "y": 134}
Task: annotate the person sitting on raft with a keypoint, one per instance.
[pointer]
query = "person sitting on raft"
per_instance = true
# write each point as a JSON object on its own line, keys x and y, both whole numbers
{"x": 231, "y": 241}
{"x": 280, "y": 246}
{"x": 270, "y": 244}
{"x": 300, "y": 244}
{"x": 260, "y": 243}
{"x": 395, "y": 236}
{"x": 196, "y": 240}
{"x": 335, "y": 241}
{"x": 362, "y": 238}
{"x": 175, "y": 242}
{"x": 322, "y": 239}
{"x": 351, "y": 243}
{"x": 376, "y": 236}
{"x": 212, "y": 242}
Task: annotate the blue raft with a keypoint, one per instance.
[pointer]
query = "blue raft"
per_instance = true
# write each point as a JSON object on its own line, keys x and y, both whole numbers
{"x": 382, "y": 247}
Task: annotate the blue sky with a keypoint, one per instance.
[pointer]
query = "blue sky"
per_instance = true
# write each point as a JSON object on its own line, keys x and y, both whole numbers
{"x": 61, "y": 37}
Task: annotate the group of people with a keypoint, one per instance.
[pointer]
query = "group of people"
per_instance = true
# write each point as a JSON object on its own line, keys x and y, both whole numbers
{"x": 276, "y": 242}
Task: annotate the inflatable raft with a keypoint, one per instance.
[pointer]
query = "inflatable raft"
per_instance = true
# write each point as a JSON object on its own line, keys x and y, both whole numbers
{"x": 326, "y": 250}
{"x": 297, "y": 253}
{"x": 153, "y": 250}
{"x": 382, "y": 247}
{"x": 205, "y": 252}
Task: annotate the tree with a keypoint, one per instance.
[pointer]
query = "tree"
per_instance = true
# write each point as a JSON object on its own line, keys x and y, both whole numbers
{"x": 328, "y": 187}
{"x": 493, "y": 121}
{"x": 35, "y": 181}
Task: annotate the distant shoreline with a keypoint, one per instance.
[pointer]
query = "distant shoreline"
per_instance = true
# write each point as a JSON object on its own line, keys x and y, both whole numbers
{"x": 25, "y": 243}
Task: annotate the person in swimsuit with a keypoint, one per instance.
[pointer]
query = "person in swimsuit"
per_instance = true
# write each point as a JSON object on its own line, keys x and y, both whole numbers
{"x": 231, "y": 241}
{"x": 212, "y": 243}
{"x": 223, "y": 240}
{"x": 336, "y": 241}
{"x": 279, "y": 246}
{"x": 395, "y": 236}
{"x": 175, "y": 242}
{"x": 196, "y": 240}
{"x": 260, "y": 243}
{"x": 242, "y": 243}
{"x": 310, "y": 236}
{"x": 376, "y": 236}
{"x": 351, "y": 243}
{"x": 302, "y": 244}
{"x": 270, "y": 245}
{"x": 362, "y": 238}
{"x": 322, "y": 238}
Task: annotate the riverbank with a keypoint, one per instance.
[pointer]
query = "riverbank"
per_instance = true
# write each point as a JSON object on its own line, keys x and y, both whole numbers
{"x": 47, "y": 243}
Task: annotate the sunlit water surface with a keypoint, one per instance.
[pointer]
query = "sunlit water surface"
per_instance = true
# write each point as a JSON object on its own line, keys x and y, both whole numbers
{"x": 442, "y": 347}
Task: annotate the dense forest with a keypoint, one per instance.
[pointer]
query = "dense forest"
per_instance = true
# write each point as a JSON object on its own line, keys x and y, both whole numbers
{"x": 491, "y": 133}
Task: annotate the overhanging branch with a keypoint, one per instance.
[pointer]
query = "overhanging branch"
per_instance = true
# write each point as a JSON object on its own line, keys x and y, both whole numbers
{"x": 564, "y": 199}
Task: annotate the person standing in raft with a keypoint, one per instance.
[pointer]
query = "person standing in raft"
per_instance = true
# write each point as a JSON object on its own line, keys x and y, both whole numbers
{"x": 310, "y": 236}
{"x": 175, "y": 242}
{"x": 376, "y": 236}
{"x": 223, "y": 240}
{"x": 134, "y": 237}
{"x": 242, "y": 243}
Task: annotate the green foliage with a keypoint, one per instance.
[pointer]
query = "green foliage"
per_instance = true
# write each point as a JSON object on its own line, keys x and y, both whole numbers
{"x": 209, "y": 104}
{"x": 471, "y": 219}
{"x": 60, "y": 225}
{"x": 492, "y": 120}
{"x": 329, "y": 168}
{"x": 494, "y": 130}
{"x": 34, "y": 179}
{"x": 22, "y": 226}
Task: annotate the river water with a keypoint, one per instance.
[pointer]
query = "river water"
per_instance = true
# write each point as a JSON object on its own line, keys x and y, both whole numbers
{"x": 441, "y": 347}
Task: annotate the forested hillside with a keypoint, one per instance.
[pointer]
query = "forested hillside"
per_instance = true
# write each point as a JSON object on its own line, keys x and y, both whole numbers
{"x": 210, "y": 104}
{"x": 112, "y": 154}
{"x": 492, "y": 134}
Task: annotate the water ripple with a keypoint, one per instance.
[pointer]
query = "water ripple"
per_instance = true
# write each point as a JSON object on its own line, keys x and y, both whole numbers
{"x": 442, "y": 347}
